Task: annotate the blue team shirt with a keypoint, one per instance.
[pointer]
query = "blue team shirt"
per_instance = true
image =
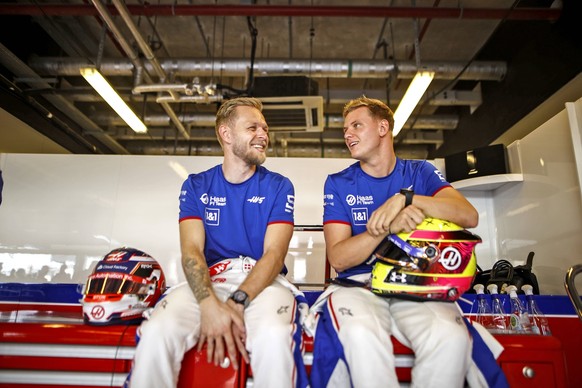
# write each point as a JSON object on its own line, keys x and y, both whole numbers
{"x": 350, "y": 196}
{"x": 236, "y": 216}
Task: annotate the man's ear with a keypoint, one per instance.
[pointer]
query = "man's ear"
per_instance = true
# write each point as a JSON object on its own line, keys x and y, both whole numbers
{"x": 384, "y": 128}
{"x": 224, "y": 133}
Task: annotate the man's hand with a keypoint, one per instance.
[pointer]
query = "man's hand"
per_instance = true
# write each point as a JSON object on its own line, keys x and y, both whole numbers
{"x": 407, "y": 220}
{"x": 240, "y": 335}
{"x": 393, "y": 217}
{"x": 379, "y": 222}
{"x": 217, "y": 330}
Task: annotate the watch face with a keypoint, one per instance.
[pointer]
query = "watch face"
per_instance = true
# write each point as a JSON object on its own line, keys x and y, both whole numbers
{"x": 240, "y": 297}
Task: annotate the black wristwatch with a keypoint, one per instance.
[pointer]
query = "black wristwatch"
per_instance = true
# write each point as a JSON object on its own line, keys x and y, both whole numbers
{"x": 240, "y": 297}
{"x": 408, "y": 194}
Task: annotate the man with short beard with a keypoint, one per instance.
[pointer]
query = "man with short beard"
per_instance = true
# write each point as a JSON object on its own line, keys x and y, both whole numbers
{"x": 236, "y": 222}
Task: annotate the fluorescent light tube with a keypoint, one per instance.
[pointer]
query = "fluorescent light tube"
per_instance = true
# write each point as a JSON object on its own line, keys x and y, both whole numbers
{"x": 110, "y": 96}
{"x": 411, "y": 98}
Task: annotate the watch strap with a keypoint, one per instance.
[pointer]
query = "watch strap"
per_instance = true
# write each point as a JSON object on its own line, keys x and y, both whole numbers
{"x": 408, "y": 194}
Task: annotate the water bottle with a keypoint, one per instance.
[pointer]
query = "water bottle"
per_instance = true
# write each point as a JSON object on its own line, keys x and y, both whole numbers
{"x": 499, "y": 321}
{"x": 519, "y": 319}
{"x": 484, "y": 314}
{"x": 539, "y": 322}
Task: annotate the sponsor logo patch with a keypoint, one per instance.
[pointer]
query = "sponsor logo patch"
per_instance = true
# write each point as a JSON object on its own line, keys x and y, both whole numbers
{"x": 290, "y": 204}
{"x": 352, "y": 200}
{"x": 360, "y": 216}
{"x": 256, "y": 199}
{"x": 212, "y": 216}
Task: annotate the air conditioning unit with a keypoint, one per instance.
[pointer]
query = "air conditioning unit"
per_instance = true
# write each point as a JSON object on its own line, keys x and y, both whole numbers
{"x": 294, "y": 114}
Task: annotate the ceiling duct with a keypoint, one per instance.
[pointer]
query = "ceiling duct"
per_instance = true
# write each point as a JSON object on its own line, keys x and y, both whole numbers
{"x": 291, "y": 103}
{"x": 294, "y": 114}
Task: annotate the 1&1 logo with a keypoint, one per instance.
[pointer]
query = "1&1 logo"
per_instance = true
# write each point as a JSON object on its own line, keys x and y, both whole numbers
{"x": 360, "y": 216}
{"x": 212, "y": 217}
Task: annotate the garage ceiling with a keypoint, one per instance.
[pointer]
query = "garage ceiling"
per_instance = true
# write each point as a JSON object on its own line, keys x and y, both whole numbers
{"x": 495, "y": 61}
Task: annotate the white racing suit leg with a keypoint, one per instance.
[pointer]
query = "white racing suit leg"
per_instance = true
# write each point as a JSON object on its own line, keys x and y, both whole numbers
{"x": 436, "y": 333}
{"x": 174, "y": 328}
{"x": 269, "y": 321}
{"x": 364, "y": 329}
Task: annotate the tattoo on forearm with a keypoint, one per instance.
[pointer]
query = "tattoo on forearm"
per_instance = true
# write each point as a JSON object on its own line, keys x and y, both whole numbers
{"x": 198, "y": 278}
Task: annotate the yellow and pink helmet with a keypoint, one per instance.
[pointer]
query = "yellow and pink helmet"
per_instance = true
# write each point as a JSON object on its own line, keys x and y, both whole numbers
{"x": 436, "y": 261}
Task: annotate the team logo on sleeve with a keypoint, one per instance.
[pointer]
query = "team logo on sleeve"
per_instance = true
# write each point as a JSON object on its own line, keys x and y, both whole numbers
{"x": 440, "y": 175}
{"x": 360, "y": 216}
{"x": 290, "y": 204}
{"x": 212, "y": 217}
{"x": 328, "y": 200}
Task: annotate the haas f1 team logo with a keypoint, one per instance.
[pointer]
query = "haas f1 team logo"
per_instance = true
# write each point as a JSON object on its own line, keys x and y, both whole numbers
{"x": 451, "y": 258}
{"x": 98, "y": 312}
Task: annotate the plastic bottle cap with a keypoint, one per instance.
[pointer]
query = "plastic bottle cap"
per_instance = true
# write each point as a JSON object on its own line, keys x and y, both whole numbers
{"x": 527, "y": 288}
{"x": 511, "y": 290}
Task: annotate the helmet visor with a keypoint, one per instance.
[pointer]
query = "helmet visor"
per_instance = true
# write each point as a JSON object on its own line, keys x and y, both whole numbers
{"x": 113, "y": 283}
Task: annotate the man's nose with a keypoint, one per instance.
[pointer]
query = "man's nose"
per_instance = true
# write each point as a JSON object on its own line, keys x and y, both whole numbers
{"x": 262, "y": 132}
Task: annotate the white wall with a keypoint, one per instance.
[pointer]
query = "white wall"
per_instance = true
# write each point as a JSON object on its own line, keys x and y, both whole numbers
{"x": 542, "y": 214}
{"x": 73, "y": 209}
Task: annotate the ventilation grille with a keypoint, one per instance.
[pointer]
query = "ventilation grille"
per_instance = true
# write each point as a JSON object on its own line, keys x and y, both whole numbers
{"x": 294, "y": 114}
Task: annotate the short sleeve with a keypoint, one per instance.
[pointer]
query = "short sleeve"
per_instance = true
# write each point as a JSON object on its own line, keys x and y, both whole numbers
{"x": 284, "y": 205}
{"x": 188, "y": 203}
{"x": 333, "y": 209}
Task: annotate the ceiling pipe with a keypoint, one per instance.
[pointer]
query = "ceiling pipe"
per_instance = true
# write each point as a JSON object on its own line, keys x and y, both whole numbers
{"x": 347, "y": 68}
{"x": 103, "y": 11}
{"x": 340, "y": 97}
{"x": 549, "y": 14}
{"x": 143, "y": 45}
{"x": 331, "y": 149}
{"x": 209, "y": 120}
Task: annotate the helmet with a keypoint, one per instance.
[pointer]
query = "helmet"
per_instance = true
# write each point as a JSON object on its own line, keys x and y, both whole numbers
{"x": 436, "y": 261}
{"x": 122, "y": 286}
